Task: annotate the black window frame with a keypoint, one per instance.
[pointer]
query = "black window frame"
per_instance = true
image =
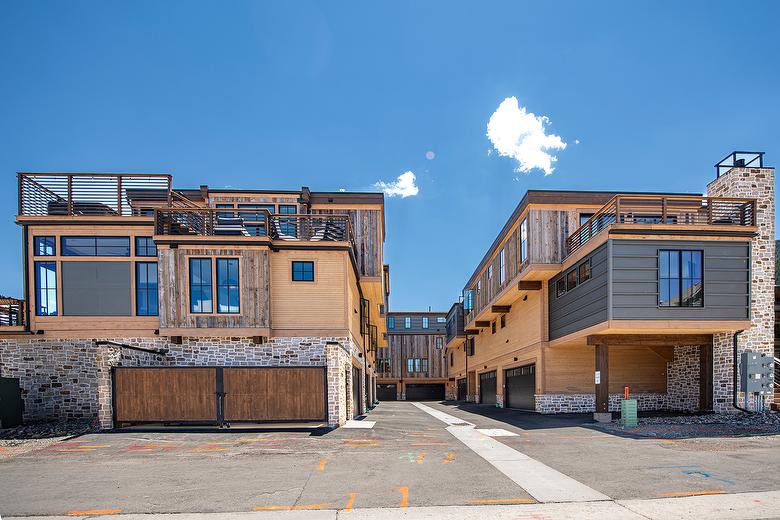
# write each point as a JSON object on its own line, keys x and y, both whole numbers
{"x": 302, "y": 272}
{"x": 587, "y": 263}
{"x": 576, "y": 281}
{"x": 235, "y": 288}
{"x": 201, "y": 285}
{"x": 560, "y": 286}
{"x": 391, "y": 322}
{"x": 145, "y": 247}
{"x": 143, "y": 292}
{"x": 680, "y": 279}
{"x": 96, "y": 251}
{"x": 39, "y": 289}
{"x": 47, "y": 241}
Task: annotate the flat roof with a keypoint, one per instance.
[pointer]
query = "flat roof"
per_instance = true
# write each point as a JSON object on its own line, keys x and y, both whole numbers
{"x": 557, "y": 197}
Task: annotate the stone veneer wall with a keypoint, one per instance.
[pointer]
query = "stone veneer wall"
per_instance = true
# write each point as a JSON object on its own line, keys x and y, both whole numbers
{"x": 755, "y": 183}
{"x": 682, "y": 379}
{"x": 584, "y": 403}
{"x": 71, "y": 379}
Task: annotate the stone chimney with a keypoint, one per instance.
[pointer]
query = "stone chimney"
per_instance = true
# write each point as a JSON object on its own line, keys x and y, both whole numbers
{"x": 742, "y": 180}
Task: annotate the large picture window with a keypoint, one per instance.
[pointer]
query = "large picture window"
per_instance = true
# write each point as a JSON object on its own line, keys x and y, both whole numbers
{"x": 416, "y": 365}
{"x": 44, "y": 246}
{"x": 228, "y": 300}
{"x": 146, "y": 289}
{"x": 201, "y": 298}
{"x": 680, "y": 278}
{"x": 45, "y": 288}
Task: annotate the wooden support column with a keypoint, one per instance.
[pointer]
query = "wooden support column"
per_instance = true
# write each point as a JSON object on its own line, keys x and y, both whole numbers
{"x": 602, "y": 386}
{"x": 705, "y": 378}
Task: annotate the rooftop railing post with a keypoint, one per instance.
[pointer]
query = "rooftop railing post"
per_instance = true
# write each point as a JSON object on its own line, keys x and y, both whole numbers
{"x": 618, "y": 219}
{"x": 709, "y": 210}
{"x": 663, "y": 210}
{"x": 70, "y": 195}
{"x": 119, "y": 195}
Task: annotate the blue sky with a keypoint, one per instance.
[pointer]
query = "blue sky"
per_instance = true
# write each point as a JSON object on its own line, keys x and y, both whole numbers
{"x": 344, "y": 94}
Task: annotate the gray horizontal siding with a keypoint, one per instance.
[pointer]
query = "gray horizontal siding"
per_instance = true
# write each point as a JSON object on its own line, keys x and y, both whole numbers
{"x": 417, "y": 324}
{"x": 583, "y": 306}
{"x": 635, "y": 280}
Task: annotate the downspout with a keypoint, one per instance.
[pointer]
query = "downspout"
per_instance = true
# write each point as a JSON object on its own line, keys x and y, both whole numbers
{"x": 736, "y": 370}
{"x": 466, "y": 351}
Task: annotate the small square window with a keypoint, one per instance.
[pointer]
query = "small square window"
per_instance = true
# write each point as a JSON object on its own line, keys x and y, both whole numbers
{"x": 571, "y": 279}
{"x": 45, "y": 246}
{"x": 302, "y": 271}
{"x": 145, "y": 246}
{"x": 584, "y": 271}
{"x": 560, "y": 287}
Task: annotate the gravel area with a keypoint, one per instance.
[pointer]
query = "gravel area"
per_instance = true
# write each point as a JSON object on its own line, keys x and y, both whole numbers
{"x": 709, "y": 425}
{"x": 45, "y": 430}
{"x": 35, "y": 436}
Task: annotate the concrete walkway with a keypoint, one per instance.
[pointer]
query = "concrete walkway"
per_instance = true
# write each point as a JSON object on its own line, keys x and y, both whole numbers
{"x": 739, "y": 506}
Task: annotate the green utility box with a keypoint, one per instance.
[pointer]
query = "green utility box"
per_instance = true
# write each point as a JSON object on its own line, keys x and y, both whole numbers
{"x": 628, "y": 409}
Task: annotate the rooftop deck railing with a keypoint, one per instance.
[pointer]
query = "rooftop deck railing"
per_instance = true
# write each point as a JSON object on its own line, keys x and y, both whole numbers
{"x": 667, "y": 210}
{"x": 253, "y": 222}
{"x": 11, "y": 312}
{"x": 92, "y": 194}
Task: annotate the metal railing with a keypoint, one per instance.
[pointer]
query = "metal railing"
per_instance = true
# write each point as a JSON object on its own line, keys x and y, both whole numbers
{"x": 668, "y": 210}
{"x": 253, "y": 222}
{"x": 739, "y": 160}
{"x": 11, "y": 312}
{"x": 92, "y": 194}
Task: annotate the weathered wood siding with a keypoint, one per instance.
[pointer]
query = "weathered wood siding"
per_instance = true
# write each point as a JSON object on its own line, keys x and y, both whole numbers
{"x": 404, "y": 346}
{"x": 367, "y": 227}
{"x": 174, "y": 291}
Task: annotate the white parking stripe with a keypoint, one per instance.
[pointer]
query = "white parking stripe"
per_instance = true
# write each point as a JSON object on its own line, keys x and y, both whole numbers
{"x": 538, "y": 480}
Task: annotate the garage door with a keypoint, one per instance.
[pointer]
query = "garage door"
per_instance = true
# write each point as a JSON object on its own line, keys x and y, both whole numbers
{"x": 487, "y": 388}
{"x": 425, "y": 392}
{"x": 217, "y": 394}
{"x": 520, "y": 387}
{"x": 387, "y": 392}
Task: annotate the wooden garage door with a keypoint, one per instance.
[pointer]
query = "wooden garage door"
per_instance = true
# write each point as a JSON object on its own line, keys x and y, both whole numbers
{"x": 274, "y": 394}
{"x": 165, "y": 394}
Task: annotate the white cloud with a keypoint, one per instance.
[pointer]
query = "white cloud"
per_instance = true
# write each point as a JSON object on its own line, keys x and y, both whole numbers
{"x": 404, "y": 186}
{"x": 430, "y": 155}
{"x": 521, "y": 135}
{"x": 576, "y": 141}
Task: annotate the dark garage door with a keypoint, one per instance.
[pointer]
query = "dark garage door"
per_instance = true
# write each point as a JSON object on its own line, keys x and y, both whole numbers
{"x": 487, "y": 388}
{"x": 520, "y": 387}
{"x": 425, "y": 392}
{"x": 387, "y": 392}
{"x": 462, "y": 389}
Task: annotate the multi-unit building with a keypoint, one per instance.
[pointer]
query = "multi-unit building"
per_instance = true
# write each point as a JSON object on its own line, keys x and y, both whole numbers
{"x": 584, "y": 294}
{"x": 145, "y": 303}
{"x": 414, "y": 364}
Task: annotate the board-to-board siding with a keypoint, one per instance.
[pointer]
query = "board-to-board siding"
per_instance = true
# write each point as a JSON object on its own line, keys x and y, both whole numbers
{"x": 321, "y": 304}
{"x": 173, "y": 273}
{"x": 405, "y": 346}
{"x": 635, "y": 280}
{"x": 586, "y": 304}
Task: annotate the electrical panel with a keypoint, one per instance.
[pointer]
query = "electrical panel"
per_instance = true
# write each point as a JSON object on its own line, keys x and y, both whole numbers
{"x": 757, "y": 371}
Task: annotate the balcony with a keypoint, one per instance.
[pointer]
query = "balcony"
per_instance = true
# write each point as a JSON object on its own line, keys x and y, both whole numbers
{"x": 209, "y": 222}
{"x": 92, "y": 194}
{"x": 12, "y": 314}
{"x": 454, "y": 327}
{"x": 674, "y": 214}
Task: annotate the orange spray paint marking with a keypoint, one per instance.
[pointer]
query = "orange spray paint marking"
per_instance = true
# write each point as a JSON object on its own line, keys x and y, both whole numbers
{"x": 321, "y": 465}
{"x": 350, "y": 503}
{"x": 449, "y": 458}
{"x": 692, "y": 493}
{"x": 94, "y": 512}
{"x": 290, "y": 508}
{"x": 404, "y": 496}
{"x": 502, "y": 501}
{"x": 420, "y": 457}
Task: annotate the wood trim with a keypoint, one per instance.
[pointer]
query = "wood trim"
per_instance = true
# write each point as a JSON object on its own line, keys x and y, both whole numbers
{"x": 482, "y": 324}
{"x": 501, "y": 309}
{"x": 194, "y": 332}
{"x": 650, "y": 340}
{"x": 529, "y": 285}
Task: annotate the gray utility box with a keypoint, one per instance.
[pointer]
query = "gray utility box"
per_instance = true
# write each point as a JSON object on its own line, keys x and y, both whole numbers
{"x": 757, "y": 371}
